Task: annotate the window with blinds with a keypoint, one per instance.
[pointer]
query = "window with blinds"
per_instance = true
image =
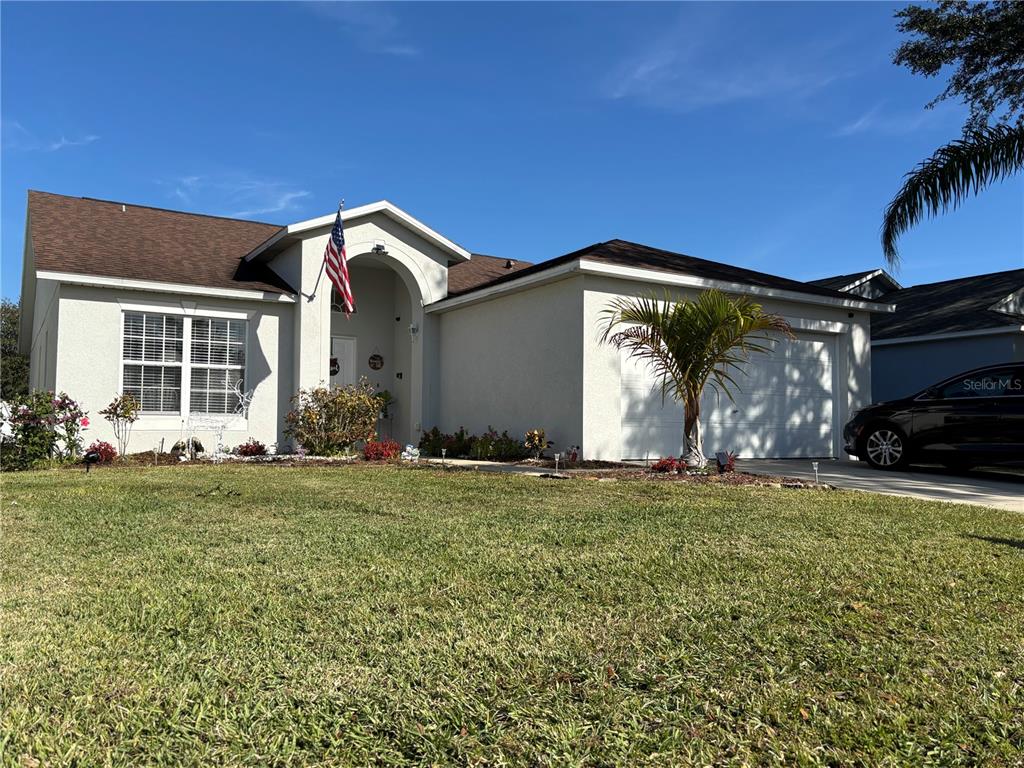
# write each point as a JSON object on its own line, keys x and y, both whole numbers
{"x": 152, "y": 355}
{"x": 218, "y": 365}
{"x": 156, "y": 362}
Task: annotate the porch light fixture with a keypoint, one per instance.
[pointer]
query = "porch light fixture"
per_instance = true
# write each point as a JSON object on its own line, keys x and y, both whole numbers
{"x": 380, "y": 250}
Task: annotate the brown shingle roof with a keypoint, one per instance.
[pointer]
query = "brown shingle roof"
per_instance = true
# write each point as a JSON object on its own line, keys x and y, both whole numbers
{"x": 99, "y": 237}
{"x": 467, "y": 275}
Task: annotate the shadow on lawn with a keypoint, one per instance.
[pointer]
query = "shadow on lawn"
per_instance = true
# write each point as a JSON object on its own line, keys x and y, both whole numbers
{"x": 1015, "y": 543}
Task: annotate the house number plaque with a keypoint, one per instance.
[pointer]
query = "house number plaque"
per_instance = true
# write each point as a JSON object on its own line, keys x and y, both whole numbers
{"x": 376, "y": 362}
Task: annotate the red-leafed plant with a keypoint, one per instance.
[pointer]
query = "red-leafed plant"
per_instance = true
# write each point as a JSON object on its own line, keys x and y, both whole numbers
{"x": 106, "y": 451}
{"x": 729, "y": 464}
{"x": 668, "y": 464}
{"x": 381, "y": 450}
{"x": 252, "y": 447}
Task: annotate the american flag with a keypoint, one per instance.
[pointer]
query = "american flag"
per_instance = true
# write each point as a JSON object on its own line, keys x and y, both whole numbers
{"x": 337, "y": 266}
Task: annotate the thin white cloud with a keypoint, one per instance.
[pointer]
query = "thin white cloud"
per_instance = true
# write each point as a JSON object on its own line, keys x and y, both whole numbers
{"x": 238, "y": 195}
{"x": 283, "y": 202}
{"x": 375, "y": 27}
{"x": 695, "y": 65}
{"x": 64, "y": 141}
{"x": 879, "y": 121}
{"x": 18, "y": 138}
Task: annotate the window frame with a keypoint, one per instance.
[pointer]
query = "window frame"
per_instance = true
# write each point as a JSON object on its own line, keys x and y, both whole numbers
{"x": 185, "y": 400}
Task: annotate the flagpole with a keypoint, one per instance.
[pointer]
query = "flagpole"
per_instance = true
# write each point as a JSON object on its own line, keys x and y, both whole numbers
{"x": 323, "y": 262}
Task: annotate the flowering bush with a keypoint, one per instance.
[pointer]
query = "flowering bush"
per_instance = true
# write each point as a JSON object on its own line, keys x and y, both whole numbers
{"x": 381, "y": 450}
{"x": 670, "y": 464}
{"x": 39, "y": 426}
{"x": 251, "y": 447}
{"x": 326, "y": 421}
{"x": 106, "y": 451}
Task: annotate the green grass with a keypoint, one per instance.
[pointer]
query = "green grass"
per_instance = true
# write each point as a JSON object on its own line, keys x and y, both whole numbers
{"x": 342, "y": 616}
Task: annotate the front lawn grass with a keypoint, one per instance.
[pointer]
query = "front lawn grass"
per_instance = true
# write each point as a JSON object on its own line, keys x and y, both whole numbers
{"x": 251, "y": 615}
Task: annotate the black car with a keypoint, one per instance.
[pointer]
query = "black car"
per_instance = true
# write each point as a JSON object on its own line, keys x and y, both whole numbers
{"x": 976, "y": 418}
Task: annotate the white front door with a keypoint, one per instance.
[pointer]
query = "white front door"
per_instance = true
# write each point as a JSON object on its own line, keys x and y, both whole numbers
{"x": 784, "y": 407}
{"x": 343, "y": 361}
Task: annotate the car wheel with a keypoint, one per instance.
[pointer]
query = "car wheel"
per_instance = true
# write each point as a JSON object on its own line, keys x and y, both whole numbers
{"x": 885, "y": 447}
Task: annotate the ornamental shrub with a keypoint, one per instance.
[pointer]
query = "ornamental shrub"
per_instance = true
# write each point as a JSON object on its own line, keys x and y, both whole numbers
{"x": 106, "y": 451}
{"x": 490, "y": 446}
{"x": 381, "y": 450}
{"x": 252, "y": 447}
{"x": 122, "y": 412}
{"x": 670, "y": 464}
{"x": 536, "y": 442}
{"x": 328, "y": 421}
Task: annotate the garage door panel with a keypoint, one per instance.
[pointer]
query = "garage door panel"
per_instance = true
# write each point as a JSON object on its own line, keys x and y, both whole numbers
{"x": 784, "y": 406}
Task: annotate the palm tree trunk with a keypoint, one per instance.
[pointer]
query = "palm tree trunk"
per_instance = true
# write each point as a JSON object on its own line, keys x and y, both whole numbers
{"x": 694, "y": 440}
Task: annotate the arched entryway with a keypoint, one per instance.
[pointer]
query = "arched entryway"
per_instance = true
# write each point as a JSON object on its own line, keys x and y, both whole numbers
{"x": 381, "y": 340}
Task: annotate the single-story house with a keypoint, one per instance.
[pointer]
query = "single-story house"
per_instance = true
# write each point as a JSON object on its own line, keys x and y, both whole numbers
{"x": 185, "y": 311}
{"x": 938, "y": 329}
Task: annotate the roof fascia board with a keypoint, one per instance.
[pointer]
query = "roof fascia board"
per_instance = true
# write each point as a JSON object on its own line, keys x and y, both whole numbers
{"x": 512, "y": 286}
{"x": 944, "y": 336}
{"x": 691, "y": 281}
{"x": 99, "y": 281}
{"x": 871, "y": 276}
{"x": 382, "y": 206}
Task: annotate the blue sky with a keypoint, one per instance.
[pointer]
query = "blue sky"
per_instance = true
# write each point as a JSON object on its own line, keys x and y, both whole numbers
{"x": 766, "y": 135}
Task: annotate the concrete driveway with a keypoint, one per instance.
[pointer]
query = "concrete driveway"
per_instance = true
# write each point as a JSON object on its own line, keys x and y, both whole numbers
{"x": 985, "y": 488}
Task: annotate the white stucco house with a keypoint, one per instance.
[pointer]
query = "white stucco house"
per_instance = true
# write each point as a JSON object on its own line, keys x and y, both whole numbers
{"x": 175, "y": 307}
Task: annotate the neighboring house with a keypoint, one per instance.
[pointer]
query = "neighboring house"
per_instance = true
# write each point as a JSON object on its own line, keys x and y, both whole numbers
{"x": 177, "y": 307}
{"x": 938, "y": 329}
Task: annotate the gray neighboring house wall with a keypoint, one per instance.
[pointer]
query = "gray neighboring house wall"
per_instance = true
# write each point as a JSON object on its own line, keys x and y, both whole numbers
{"x": 938, "y": 329}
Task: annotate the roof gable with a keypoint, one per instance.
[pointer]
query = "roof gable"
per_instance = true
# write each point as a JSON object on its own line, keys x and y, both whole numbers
{"x": 264, "y": 250}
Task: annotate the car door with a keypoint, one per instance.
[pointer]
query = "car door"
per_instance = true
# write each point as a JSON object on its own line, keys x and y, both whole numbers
{"x": 1004, "y": 424}
{"x": 976, "y": 416}
{"x": 950, "y": 419}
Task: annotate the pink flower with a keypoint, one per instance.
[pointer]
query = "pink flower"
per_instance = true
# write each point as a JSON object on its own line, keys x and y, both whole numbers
{"x": 84, "y": 421}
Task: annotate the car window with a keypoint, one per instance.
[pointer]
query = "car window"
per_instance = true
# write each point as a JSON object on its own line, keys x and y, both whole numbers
{"x": 1003, "y": 382}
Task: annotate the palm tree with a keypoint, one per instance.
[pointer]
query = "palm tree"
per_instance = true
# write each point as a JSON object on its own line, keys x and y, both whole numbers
{"x": 690, "y": 344}
{"x": 982, "y": 157}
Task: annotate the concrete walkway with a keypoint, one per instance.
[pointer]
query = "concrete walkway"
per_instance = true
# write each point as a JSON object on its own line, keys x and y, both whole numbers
{"x": 989, "y": 489}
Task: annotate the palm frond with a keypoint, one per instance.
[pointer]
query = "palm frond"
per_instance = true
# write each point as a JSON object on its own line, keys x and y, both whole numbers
{"x": 955, "y": 171}
{"x": 690, "y": 344}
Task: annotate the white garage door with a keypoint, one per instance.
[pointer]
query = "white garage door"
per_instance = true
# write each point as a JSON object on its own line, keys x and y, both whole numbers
{"x": 784, "y": 407}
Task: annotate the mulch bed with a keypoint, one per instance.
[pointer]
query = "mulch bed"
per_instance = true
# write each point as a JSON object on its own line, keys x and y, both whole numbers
{"x": 582, "y": 470}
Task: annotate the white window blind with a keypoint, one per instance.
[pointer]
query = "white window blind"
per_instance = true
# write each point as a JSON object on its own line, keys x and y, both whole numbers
{"x": 218, "y": 364}
{"x": 152, "y": 360}
{"x": 155, "y": 362}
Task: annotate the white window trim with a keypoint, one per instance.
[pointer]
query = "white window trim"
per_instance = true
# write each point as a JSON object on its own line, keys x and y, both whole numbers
{"x": 168, "y": 420}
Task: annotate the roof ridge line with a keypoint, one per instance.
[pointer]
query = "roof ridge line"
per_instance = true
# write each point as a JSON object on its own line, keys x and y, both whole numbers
{"x": 157, "y": 208}
{"x": 959, "y": 279}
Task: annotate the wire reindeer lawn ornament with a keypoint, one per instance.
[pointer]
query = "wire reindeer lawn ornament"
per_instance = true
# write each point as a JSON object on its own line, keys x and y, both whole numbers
{"x": 217, "y": 424}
